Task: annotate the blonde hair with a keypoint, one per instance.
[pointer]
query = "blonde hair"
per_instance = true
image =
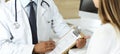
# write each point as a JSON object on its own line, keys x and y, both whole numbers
{"x": 109, "y": 12}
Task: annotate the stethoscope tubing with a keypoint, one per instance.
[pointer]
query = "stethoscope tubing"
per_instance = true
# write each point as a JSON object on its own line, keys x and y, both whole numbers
{"x": 45, "y": 2}
{"x": 16, "y": 8}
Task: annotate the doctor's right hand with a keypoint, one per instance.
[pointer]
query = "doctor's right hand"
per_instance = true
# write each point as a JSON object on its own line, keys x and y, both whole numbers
{"x": 43, "y": 47}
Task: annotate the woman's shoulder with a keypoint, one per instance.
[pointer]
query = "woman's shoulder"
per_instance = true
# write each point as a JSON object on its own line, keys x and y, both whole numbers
{"x": 107, "y": 28}
{"x": 103, "y": 40}
{"x": 105, "y": 31}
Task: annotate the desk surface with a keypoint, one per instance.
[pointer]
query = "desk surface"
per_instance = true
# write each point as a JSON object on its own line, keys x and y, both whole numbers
{"x": 88, "y": 22}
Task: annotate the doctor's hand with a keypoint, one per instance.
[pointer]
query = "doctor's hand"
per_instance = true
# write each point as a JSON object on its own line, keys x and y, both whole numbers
{"x": 43, "y": 47}
{"x": 80, "y": 43}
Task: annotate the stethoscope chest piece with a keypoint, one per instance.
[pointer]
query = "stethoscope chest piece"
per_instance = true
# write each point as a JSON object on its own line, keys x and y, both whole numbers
{"x": 16, "y": 25}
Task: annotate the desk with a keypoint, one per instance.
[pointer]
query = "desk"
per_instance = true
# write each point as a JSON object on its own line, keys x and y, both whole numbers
{"x": 88, "y": 22}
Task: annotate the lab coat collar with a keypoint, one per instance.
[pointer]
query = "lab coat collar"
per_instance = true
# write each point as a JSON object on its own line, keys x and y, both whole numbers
{"x": 26, "y": 2}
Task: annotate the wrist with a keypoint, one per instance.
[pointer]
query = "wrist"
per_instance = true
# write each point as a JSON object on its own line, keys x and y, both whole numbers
{"x": 34, "y": 50}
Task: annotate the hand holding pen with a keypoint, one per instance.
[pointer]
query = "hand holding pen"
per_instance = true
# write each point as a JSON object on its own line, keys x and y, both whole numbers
{"x": 81, "y": 42}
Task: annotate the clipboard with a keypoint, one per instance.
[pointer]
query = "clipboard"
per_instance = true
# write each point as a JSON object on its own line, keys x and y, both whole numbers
{"x": 66, "y": 42}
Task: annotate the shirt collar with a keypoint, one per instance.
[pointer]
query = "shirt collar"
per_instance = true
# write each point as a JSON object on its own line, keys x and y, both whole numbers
{"x": 26, "y": 2}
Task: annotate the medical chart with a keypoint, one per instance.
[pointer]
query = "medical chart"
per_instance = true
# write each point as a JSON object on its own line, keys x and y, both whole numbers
{"x": 66, "y": 42}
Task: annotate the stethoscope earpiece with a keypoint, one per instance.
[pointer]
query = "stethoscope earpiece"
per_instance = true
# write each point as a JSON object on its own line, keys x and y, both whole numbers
{"x": 16, "y": 24}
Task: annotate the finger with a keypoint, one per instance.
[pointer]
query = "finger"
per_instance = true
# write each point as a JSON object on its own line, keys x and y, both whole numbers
{"x": 51, "y": 43}
{"x": 86, "y": 37}
{"x": 49, "y": 48}
{"x": 79, "y": 41}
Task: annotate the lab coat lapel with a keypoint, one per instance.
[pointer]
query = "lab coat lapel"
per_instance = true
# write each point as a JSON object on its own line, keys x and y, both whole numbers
{"x": 24, "y": 19}
{"x": 42, "y": 25}
{"x": 40, "y": 9}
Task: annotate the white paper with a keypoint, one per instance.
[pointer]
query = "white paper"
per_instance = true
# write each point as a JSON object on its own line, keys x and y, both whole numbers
{"x": 65, "y": 43}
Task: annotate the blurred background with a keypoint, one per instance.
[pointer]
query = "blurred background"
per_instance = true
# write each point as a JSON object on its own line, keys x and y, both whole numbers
{"x": 80, "y": 13}
{"x": 71, "y": 8}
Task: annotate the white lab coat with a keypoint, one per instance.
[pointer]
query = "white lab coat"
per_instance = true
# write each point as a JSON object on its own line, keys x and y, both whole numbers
{"x": 19, "y": 41}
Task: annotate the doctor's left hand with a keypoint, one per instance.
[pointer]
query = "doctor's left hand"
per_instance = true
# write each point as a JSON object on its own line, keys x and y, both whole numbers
{"x": 43, "y": 47}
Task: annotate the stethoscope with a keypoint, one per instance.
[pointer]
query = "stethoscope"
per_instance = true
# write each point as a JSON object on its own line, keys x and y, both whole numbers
{"x": 16, "y": 24}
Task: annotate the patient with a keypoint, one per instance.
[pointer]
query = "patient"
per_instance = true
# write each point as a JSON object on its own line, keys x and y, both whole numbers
{"x": 106, "y": 39}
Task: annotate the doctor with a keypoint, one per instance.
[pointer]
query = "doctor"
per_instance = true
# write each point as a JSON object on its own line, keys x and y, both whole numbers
{"x": 18, "y": 35}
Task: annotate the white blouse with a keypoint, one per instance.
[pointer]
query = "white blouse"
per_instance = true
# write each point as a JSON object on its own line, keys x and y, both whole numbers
{"x": 105, "y": 40}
